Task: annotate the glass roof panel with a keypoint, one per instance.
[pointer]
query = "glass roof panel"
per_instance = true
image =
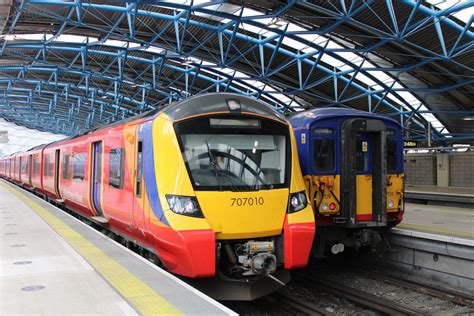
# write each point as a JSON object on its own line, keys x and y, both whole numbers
{"x": 21, "y": 138}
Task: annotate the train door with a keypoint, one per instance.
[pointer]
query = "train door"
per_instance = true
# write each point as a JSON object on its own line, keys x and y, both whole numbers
{"x": 363, "y": 172}
{"x": 30, "y": 169}
{"x": 139, "y": 205}
{"x": 97, "y": 176}
{"x": 20, "y": 169}
{"x": 57, "y": 160}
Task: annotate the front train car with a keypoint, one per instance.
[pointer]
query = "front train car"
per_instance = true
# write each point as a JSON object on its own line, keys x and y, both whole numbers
{"x": 224, "y": 184}
{"x": 352, "y": 162}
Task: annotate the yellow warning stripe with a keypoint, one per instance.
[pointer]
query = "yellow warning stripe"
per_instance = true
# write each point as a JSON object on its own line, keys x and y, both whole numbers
{"x": 435, "y": 230}
{"x": 145, "y": 300}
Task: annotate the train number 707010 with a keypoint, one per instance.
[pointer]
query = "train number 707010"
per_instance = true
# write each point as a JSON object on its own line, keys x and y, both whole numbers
{"x": 247, "y": 201}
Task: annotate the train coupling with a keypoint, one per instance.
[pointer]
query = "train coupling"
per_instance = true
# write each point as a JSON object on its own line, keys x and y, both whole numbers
{"x": 257, "y": 257}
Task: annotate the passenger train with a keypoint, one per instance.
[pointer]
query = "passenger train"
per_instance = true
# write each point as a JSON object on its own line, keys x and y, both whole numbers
{"x": 352, "y": 163}
{"x": 211, "y": 186}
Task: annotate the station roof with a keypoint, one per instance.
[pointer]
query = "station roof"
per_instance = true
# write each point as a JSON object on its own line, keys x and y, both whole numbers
{"x": 68, "y": 66}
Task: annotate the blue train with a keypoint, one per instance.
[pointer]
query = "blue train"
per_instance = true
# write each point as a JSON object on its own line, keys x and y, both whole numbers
{"x": 352, "y": 163}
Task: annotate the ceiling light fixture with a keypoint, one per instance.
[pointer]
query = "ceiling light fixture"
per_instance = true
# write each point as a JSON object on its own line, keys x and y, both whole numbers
{"x": 468, "y": 118}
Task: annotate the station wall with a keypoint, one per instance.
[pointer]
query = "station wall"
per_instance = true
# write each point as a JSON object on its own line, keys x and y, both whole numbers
{"x": 442, "y": 169}
{"x": 420, "y": 169}
{"x": 462, "y": 170}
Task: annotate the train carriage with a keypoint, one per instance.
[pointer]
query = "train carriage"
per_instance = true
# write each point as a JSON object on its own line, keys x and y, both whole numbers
{"x": 352, "y": 162}
{"x": 36, "y": 168}
{"x": 3, "y": 169}
{"x": 17, "y": 168}
{"x": 8, "y": 167}
{"x": 25, "y": 164}
{"x": 211, "y": 186}
{"x": 11, "y": 167}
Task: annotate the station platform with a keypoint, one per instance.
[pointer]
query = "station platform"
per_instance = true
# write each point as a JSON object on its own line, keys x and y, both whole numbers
{"x": 433, "y": 194}
{"x": 446, "y": 221}
{"x": 52, "y": 263}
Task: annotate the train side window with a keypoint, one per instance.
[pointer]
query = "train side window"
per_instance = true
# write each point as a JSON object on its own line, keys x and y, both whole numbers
{"x": 66, "y": 166}
{"x": 392, "y": 156}
{"x": 35, "y": 166}
{"x": 362, "y": 158}
{"x": 46, "y": 166}
{"x": 324, "y": 156}
{"x": 50, "y": 166}
{"x": 116, "y": 168}
{"x": 24, "y": 165}
{"x": 78, "y": 164}
{"x": 138, "y": 187}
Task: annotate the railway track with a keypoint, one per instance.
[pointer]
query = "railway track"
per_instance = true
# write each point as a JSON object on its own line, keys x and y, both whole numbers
{"x": 442, "y": 293}
{"x": 299, "y": 304}
{"x": 359, "y": 297}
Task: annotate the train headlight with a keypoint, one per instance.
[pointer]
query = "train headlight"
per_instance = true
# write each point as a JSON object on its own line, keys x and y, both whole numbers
{"x": 184, "y": 205}
{"x": 298, "y": 202}
{"x": 390, "y": 203}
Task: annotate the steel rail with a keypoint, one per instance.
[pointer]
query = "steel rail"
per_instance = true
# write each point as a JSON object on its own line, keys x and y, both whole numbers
{"x": 357, "y": 296}
{"x": 439, "y": 292}
{"x": 300, "y": 304}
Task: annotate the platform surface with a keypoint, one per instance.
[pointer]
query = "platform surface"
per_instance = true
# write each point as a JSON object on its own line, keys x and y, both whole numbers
{"x": 53, "y": 264}
{"x": 440, "y": 220}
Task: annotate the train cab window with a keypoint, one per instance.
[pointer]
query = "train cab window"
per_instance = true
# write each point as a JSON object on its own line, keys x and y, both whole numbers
{"x": 324, "y": 155}
{"x": 138, "y": 184}
{"x": 392, "y": 156}
{"x": 116, "y": 168}
{"x": 78, "y": 166}
{"x": 362, "y": 157}
{"x": 67, "y": 166}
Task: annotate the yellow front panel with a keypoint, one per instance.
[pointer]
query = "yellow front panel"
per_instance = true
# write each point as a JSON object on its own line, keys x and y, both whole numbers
{"x": 234, "y": 215}
{"x": 172, "y": 175}
{"x": 306, "y": 215}
{"x": 364, "y": 194}
{"x": 297, "y": 184}
{"x": 394, "y": 191}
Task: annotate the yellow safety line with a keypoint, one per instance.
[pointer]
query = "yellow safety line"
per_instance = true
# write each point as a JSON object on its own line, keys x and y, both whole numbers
{"x": 436, "y": 230}
{"x": 145, "y": 300}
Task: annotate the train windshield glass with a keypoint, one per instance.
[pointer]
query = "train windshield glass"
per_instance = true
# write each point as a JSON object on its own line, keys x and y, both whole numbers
{"x": 235, "y": 159}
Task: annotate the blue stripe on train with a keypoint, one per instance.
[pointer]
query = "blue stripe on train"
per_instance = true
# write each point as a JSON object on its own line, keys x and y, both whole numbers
{"x": 146, "y": 134}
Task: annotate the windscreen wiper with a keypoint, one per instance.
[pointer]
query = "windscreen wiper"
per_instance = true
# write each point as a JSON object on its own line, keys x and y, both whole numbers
{"x": 218, "y": 170}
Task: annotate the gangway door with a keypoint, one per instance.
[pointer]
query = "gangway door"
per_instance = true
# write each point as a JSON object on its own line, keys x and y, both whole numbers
{"x": 363, "y": 167}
